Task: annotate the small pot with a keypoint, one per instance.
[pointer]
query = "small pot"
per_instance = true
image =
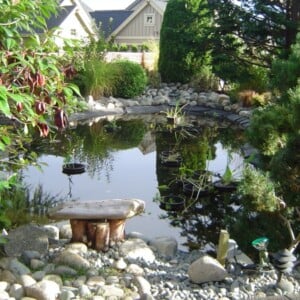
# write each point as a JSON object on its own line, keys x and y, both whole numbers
{"x": 73, "y": 168}
{"x": 170, "y": 159}
{"x": 191, "y": 190}
{"x": 172, "y": 203}
{"x": 225, "y": 187}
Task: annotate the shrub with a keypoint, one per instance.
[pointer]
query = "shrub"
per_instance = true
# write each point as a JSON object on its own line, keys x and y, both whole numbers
{"x": 130, "y": 79}
{"x": 205, "y": 80}
{"x": 123, "y": 48}
{"x": 134, "y": 48}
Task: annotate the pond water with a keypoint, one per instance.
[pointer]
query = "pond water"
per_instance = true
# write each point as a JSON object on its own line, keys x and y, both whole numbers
{"x": 122, "y": 156}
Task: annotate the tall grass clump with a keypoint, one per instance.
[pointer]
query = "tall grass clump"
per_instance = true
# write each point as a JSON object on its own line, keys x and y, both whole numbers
{"x": 98, "y": 78}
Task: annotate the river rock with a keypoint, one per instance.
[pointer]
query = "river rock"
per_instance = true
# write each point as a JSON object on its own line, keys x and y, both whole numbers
{"x": 26, "y": 237}
{"x": 206, "y": 269}
{"x": 43, "y": 290}
{"x": 165, "y": 246}
{"x": 137, "y": 249}
{"x": 72, "y": 260}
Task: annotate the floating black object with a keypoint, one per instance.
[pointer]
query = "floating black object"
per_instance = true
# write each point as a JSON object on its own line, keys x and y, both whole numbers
{"x": 73, "y": 168}
{"x": 172, "y": 203}
{"x": 283, "y": 261}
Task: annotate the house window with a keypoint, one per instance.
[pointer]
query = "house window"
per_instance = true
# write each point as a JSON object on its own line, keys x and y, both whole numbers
{"x": 149, "y": 19}
{"x": 73, "y": 31}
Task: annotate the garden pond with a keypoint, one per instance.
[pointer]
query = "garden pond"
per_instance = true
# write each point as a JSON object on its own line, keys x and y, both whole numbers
{"x": 144, "y": 157}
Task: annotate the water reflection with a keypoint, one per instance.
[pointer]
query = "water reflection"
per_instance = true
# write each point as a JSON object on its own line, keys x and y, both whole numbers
{"x": 122, "y": 159}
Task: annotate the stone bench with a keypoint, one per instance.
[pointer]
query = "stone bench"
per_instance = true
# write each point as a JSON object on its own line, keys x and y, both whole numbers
{"x": 98, "y": 223}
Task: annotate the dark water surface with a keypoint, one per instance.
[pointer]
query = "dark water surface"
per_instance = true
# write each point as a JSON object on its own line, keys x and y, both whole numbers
{"x": 122, "y": 161}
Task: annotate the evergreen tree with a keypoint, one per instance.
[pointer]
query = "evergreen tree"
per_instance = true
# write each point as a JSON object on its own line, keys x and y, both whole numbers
{"x": 182, "y": 33}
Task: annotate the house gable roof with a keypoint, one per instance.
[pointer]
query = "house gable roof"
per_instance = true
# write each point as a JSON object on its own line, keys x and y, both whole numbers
{"x": 157, "y": 4}
{"x": 56, "y": 20}
{"x": 110, "y": 20}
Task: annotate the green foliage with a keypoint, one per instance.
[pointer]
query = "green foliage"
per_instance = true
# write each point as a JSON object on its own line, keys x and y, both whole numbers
{"x": 288, "y": 69}
{"x": 130, "y": 79}
{"x": 97, "y": 78}
{"x": 269, "y": 128}
{"x": 32, "y": 77}
{"x": 205, "y": 80}
{"x": 258, "y": 191}
{"x": 181, "y": 36}
{"x": 123, "y": 48}
{"x": 134, "y": 48}
{"x": 33, "y": 83}
{"x": 285, "y": 169}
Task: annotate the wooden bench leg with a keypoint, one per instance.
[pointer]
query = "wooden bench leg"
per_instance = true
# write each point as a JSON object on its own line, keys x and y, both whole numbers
{"x": 102, "y": 236}
{"x": 78, "y": 231}
{"x": 96, "y": 233}
{"x": 117, "y": 230}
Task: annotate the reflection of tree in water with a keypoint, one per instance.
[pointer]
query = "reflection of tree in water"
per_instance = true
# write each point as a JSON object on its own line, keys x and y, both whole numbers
{"x": 97, "y": 144}
{"x": 203, "y": 220}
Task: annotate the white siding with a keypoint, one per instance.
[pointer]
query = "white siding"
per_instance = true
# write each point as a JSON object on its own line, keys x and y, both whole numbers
{"x": 71, "y": 28}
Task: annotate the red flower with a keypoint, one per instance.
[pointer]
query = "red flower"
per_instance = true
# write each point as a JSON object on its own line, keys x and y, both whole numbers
{"x": 40, "y": 107}
{"x": 60, "y": 118}
{"x": 44, "y": 129}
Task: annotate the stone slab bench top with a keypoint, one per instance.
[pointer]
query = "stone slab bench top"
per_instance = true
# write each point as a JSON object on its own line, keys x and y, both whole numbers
{"x": 111, "y": 209}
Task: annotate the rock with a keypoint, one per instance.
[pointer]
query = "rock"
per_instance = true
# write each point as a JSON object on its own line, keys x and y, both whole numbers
{"x": 26, "y": 280}
{"x": 43, "y": 290}
{"x": 135, "y": 270}
{"x": 4, "y": 285}
{"x": 8, "y": 276}
{"x": 65, "y": 231}
{"x": 26, "y": 237}
{"x": 136, "y": 249}
{"x": 72, "y": 260}
{"x": 78, "y": 248}
{"x": 165, "y": 246}
{"x": 28, "y": 255}
{"x": 234, "y": 254}
{"x": 206, "y": 269}
{"x": 17, "y": 268}
{"x": 120, "y": 264}
{"x": 51, "y": 231}
{"x": 110, "y": 291}
{"x": 65, "y": 271}
{"x": 4, "y": 295}
{"x": 144, "y": 287}
{"x": 95, "y": 281}
{"x": 36, "y": 264}
{"x": 17, "y": 291}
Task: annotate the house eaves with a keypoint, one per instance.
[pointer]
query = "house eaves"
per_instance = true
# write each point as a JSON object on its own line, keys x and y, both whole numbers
{"x": 135, "y": 13}
{"x": 56, "y": 20}
{"x": 110, "y": 20}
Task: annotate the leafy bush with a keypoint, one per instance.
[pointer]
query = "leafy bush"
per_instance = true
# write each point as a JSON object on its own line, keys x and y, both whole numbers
{"x": 130, "y": 79}
{"x": 134, "y": 48}
{"x": 205, "y": 80}
{"x": 258, "y": 191}
{"x": 123, "y": 48}
{"x": 269, "y": 129}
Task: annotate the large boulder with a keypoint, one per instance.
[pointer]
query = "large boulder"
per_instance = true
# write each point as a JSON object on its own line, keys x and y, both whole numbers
{"x": 26, "y": 237}
{"x": 206, "y": 269}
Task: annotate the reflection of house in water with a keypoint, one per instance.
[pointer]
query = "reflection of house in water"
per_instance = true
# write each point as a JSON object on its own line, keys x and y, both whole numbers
{"x": 148, "y": 144}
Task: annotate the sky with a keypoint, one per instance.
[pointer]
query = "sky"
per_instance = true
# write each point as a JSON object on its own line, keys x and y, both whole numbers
{"x": 107, "y": 5}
